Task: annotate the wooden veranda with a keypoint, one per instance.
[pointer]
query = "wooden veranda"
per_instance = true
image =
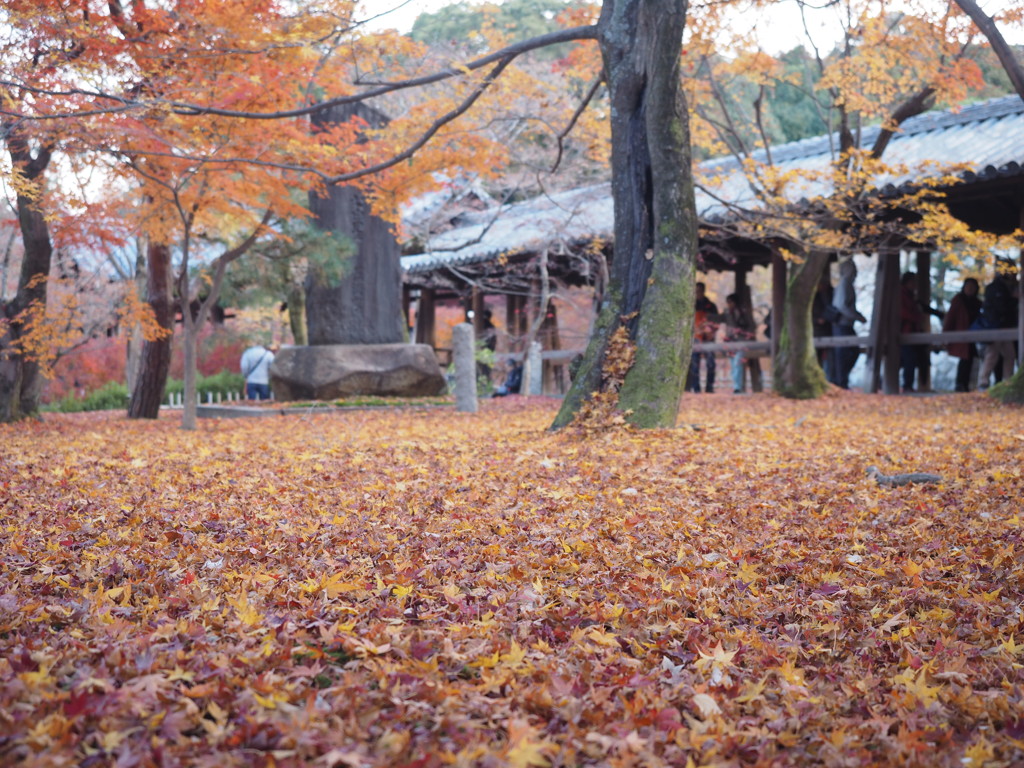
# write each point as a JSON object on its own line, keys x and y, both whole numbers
{"x": 566, "y": 238}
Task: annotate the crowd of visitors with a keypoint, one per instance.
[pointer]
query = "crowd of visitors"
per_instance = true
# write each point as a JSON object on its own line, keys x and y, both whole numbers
{"x": 834, "y": 313}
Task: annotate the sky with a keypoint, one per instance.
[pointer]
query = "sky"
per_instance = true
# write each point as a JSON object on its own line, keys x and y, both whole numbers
{"x": 779, "y": 29}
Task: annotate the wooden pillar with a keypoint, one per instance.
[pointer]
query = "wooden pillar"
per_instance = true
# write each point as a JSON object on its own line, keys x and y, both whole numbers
{"x": 407, "y": 306}
{"x": 746, "y": 301}
{"x": 778, "y": 301}
{"x": 924, "y": 296}
{"x": 891, "y": 322}
{"x": 426, "y": 313}
{"x": 873, "y": 377}
{"x": 476, "y": 305}
{"x": 511, "y": 319}
{"x": 1020, "y": 293}
{"x": 554, "y": 380}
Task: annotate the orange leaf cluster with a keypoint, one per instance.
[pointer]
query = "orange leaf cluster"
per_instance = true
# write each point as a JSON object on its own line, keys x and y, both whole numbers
{"x": 429, "y": 588}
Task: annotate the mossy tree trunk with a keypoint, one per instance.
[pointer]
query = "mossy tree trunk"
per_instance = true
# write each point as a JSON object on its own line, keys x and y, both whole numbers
{"x": 651, "y": 286}
{"x": 1011, "y": 391}
{"x": 796, "y": 373}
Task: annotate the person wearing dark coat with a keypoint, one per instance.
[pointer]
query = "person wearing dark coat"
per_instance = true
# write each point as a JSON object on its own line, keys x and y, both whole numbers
{"x": 963, "y": 311}
{"x": 912, "y": 320}
{"x": 999, "y": 310}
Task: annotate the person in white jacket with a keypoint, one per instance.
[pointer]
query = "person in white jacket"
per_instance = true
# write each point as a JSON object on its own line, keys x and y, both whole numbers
{"x": 255, "y": 367}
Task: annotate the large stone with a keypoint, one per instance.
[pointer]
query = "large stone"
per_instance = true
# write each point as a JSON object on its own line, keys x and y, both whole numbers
{"x": 331, "y": 371}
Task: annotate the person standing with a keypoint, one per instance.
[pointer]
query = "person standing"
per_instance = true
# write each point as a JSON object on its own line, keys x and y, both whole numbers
{"x": 963, "y": 311}
{"x": 739, "y": 326}
{"x": 704, "y": 311}
{"x": 821, "y": 312}
{"x": 999, "y": 310}
{"x": 255, "y": 366}
{"x": 912, "y": 320}
{"x": 845, "y": 302}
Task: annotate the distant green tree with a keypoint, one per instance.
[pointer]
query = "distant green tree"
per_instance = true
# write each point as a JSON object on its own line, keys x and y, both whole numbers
{"x": 793, "y": 103}
{"x": 462, "y": 23}
{"x": 279, "y": 268}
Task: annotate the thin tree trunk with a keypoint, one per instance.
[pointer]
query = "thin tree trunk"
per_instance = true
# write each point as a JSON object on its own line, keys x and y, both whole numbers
{"x": 156, "y": 355}
{"x": 796, "y": 372}
{"x": 190, "y": 343}
{"x": 651, "y": 288}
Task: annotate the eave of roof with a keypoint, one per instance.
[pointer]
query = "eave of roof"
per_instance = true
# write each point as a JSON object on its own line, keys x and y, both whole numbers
{"x": 988, "y": 136}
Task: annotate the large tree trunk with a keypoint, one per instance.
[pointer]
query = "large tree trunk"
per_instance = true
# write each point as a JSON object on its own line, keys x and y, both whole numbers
{"x": 156, "y": 355}
{"x": 35, "y": 269}
{"x": 366, "y": 306}
{"x": 796, "y": 372}
{"x": 651, "y": 287}
{"x": 20, "y": 379}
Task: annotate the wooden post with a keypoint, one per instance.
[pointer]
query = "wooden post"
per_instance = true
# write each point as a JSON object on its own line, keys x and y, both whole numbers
{"x": 512, "y": 320}
{"x": 407, "y": 306}
{"x": 554, "y": 380}
{"x": 891, "y": 326}
{"x": 778, "y": 301}
{"x": 426, "y": 313}
{"x": 1020, "y": 293}
{"x": 924, "y": 296}
{"x": 872, "y": 379}
{"x": 477, "y": 306}
{"x": 746, "y": 301}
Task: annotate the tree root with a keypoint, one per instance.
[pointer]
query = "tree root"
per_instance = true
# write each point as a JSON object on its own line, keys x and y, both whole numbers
{"x": 905, "y": 479}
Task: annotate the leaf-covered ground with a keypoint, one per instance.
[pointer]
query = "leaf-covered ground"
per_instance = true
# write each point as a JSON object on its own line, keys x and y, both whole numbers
{"x": 426, "y": 588}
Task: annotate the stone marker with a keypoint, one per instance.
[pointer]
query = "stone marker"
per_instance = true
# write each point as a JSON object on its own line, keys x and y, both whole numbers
{"x": 331, "y": 371}
{"x": 465, "y": 368}
{"x": 535, "y": 365}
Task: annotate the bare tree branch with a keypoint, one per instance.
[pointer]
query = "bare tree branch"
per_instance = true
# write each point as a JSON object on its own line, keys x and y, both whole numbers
{"x": 591, "y": 92}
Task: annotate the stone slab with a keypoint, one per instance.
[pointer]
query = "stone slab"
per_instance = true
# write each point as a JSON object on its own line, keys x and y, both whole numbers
{"x": 333, "y": 371}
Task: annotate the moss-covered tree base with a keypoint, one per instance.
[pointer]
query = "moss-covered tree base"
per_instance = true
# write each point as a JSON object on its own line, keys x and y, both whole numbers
{"x": 806, "y": 382}
{"x": 1011, "y": 391}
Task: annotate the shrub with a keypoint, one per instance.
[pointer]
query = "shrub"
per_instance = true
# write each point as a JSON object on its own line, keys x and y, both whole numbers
{"x": 222, "y": 382}
{"x": 110, "y": 397}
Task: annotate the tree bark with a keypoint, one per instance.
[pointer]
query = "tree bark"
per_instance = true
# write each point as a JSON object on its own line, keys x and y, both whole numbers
{"x": 20, "y": 379}
{"x": 796, "y": 373}
{"x": 156, "y": 355}
{"x": 651, "y": 286}
{"x": 365, "y": 307}
{"x": 35, "y": 268}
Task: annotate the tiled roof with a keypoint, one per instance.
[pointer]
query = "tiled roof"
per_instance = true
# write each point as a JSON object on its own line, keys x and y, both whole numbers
{"x": 988, "y": 136}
